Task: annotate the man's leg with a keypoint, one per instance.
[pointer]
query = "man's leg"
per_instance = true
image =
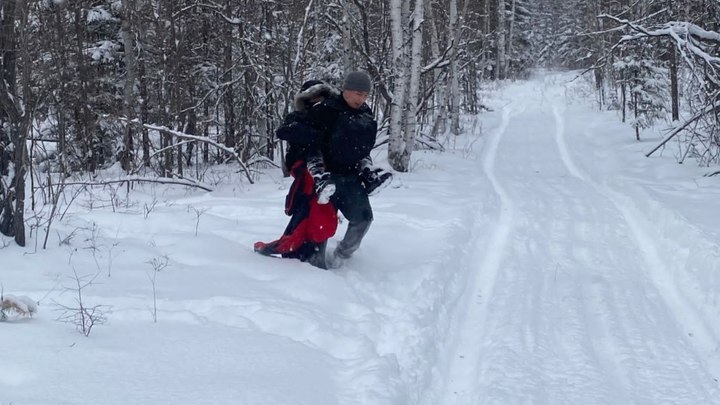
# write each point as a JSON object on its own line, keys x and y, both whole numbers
{"x": 351, "y": 199}
{"x": 317, "y": 256}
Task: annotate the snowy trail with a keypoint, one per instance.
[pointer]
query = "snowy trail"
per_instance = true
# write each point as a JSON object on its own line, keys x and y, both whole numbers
{"x": 462, "y": 371}
{"x": 570, "y": 301}
{"x": 704, "y": 339}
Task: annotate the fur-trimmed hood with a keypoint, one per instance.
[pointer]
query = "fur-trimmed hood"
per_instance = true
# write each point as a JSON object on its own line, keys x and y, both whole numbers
{"x": 304, "y": 99}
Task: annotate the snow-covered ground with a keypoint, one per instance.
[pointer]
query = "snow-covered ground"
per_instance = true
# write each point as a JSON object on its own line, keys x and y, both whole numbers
{"x": 542, "y": 260}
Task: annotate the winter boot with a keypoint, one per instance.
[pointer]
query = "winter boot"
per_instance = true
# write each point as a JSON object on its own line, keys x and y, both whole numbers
{"x": 318, "y": 258}
{"x": 335, "y": 260}
{"x": 349, "y": 244}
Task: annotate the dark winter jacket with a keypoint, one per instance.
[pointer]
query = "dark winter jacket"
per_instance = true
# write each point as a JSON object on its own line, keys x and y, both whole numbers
{"x": 347, "y": 135}
{"x": 303, "y": 139}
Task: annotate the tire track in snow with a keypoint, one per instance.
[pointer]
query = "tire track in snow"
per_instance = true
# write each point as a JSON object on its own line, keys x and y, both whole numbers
{"x": 699, "y": 336}
{"x": 463, "y": 361}
{"x": 601, "y": 331}
{"x": 536, "y": 344}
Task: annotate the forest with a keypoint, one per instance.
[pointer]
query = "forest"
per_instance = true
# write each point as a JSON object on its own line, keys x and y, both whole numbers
{"x": 162, "y": 89}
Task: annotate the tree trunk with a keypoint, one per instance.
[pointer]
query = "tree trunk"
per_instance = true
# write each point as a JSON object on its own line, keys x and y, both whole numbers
{"x": 440, "y": 89}
{"x": 206, "y": 133}
{"x": 247, "y": 102}
{"x": 191, "y": 129}
{"x": 484, "y": 60}
{"x": 16, "y": 117}
{"x": 674, "y": 96}
{"x": 128, "y": 155}
{"x": 637, "y": 114}
{"x": 165, "y": 94}
{"x": 396, "y": 146}
{"x": 83, "y": 115}
{"x": 454, "y": 95}
{"x": 19, "y": 181}
{"x": 414, "y": 90}
{"x": 269, "y": 102}
{"x": 623, "y": 97}
{"x": 61, "y": 66}
{"x": 21, "y": 153}
{"x": 9, "y": 116}
{"x": 7, "y": 44}
{"x": 501, "y": 33}
{"x": 229, "y": 96}
{"x": 510, "y": 41}
{"x": 348, "y": 60}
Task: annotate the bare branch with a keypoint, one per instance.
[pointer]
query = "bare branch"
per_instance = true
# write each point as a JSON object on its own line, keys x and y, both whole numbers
{"x": 161, "y": 180}
{"x": 183, "y": 135}
{"x": 440, "y": 62}
{"x": 211, "y": 6}
{"x": 679, "y": 129}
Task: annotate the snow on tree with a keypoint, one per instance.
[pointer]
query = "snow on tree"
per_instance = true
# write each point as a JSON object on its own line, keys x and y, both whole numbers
{"x": 644, "y": 88}
{"x": 16, "y": 305}
{"x": 698, "y": 48}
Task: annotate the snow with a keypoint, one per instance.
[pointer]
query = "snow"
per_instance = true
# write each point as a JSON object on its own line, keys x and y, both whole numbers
{"x": 21, "y": 306}
{"x": 99, "y": 14}
{"x": 103, "y": 51}
{"x": 543, "y": 260}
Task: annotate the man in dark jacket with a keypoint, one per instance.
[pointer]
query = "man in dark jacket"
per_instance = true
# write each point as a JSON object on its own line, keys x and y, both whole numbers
{"x": 347, "y": 132}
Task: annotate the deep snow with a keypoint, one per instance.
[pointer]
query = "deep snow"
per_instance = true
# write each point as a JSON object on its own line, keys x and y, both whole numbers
{"x": 541, "y": 259}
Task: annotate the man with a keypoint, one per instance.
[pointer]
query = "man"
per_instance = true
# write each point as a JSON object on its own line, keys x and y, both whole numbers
{"x": 347, "y": 132}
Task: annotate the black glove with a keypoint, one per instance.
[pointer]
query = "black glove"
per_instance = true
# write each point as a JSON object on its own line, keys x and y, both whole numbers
{"x": 375, "y": 179}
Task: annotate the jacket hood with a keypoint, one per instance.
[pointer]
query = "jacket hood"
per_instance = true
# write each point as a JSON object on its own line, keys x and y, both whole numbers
{"x": 303, "y": 100}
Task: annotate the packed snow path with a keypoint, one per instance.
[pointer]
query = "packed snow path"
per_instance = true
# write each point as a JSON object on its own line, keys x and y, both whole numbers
{"x": 568, "y": 300}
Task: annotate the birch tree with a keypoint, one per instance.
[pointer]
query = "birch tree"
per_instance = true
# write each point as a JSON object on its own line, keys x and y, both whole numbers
{"x": 414, "y": 85}
{"x": 397, "y": 153}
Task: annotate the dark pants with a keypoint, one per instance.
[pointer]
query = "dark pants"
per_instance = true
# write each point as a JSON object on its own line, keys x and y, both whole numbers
{"x": 352, "y": 200}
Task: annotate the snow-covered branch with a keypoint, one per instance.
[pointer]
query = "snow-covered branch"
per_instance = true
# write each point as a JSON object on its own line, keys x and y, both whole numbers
{"x": 299, "y": 42}
{"x": 687, "y": 123}
{"x": 689, "y": 37}
{"x": 440, "y": 62}
{"x": 182, "y": 135}
{"x": 140, "y": 179}
{"x": 699, "y": 50}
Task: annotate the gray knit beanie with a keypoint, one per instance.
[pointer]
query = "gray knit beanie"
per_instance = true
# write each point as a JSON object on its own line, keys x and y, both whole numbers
{"x": 357, "y": 81}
